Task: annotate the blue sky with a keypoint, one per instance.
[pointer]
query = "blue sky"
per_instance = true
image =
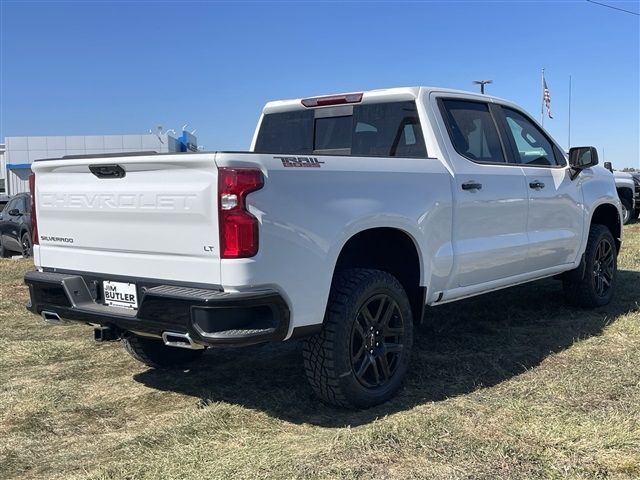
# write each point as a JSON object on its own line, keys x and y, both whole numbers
{"x": 81, "y": 68}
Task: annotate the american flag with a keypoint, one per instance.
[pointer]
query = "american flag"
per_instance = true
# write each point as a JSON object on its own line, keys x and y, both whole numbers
{"x": 546, "y": 97}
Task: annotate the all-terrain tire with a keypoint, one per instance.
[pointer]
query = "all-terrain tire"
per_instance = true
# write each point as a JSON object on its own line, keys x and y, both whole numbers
{"x": 583, "y": 290}
{"x": 154, "y": 353}
{"x": 331, "y": 356}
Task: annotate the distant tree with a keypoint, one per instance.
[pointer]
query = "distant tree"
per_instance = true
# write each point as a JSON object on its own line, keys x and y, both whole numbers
{"x": 629, "y": 169}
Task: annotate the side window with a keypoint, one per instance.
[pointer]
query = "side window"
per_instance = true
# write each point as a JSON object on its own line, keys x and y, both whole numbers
{"x": 472, "y": 130}
{"x": 533, "y": 147}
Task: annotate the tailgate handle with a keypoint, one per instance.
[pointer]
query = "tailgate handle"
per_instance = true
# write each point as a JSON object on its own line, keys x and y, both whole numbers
{"x": 107, "y": 171}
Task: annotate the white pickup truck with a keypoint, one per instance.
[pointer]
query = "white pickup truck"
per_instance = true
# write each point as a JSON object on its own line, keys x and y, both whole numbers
{"x": 348, "y": 216}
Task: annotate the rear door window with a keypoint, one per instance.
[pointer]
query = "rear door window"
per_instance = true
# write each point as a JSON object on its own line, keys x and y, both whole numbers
{"x": 382, "y": 129}
{"x": 472, "y": 130}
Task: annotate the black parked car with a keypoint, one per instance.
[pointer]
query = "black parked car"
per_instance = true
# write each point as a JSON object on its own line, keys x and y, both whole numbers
{"x": 15, "y": 226}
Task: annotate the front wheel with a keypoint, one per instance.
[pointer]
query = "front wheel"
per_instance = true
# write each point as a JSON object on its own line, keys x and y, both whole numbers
{"x": 360, "y": 357}
{"x": 596, "y": 286}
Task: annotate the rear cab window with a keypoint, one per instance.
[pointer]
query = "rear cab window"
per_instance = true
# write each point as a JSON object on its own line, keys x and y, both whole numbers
{"x": 369, "y": 130}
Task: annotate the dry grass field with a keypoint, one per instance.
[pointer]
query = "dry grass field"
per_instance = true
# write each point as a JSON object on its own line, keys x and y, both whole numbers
{"x": 509, "y": 385}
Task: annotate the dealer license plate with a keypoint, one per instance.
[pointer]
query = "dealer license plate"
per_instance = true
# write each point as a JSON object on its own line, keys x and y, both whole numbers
{"x": 119, "y": 294}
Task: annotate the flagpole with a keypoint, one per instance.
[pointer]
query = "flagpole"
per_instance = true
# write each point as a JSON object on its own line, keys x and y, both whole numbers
{"x": 542, "y": 99}
{"x": 569, "y": 133}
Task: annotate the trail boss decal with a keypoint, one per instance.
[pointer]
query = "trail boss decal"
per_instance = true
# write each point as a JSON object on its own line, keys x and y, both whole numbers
{"x": 300, "y": 162}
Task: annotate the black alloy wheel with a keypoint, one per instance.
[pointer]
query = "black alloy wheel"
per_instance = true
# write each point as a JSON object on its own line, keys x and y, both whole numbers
{"x": 593, "y": 283}
{"x": 360, "y": 356}
{"x": 603, "y": 267}
{"x": 377, "y": 341}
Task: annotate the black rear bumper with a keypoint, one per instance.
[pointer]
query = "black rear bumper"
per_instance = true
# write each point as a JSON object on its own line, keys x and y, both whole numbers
{"x": 210, "y": 317}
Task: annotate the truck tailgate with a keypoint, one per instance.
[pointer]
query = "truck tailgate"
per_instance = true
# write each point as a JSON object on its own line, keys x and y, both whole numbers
{"x": 159, "y": 220}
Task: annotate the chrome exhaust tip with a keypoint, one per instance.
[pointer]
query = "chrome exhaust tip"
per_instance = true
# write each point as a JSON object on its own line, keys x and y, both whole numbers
{"x": 180, "y": 340}
{"x": 52, "y": 318}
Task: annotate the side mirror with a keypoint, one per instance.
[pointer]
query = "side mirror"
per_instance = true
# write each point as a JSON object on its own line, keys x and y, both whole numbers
{"x": 608, "y": 166}
{"x": 14, "y": 212}
{"x": 581, "y": 158}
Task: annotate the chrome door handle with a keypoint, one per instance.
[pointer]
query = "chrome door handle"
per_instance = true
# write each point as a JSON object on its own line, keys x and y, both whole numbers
{"x": 536, "y": 185}
{"x": 471, "y": 186}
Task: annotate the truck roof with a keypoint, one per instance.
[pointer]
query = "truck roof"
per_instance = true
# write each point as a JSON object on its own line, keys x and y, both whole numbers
{"x": 379, "y": 95}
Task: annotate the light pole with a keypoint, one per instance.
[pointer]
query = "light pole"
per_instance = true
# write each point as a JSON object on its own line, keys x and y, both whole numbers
{"x": 482, "y": 83}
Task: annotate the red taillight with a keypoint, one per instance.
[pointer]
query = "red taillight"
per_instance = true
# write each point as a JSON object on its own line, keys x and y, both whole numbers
{"x": 34, "y": 219}
{"x": 238, "y": 228}
{"x": 332, "y": 100}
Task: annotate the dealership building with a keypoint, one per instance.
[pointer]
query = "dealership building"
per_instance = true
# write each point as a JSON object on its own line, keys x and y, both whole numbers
{"x": 18, "y": 153}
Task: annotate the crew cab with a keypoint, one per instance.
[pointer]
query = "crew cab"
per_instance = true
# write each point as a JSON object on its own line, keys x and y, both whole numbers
{"x": 350, "y": 214}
